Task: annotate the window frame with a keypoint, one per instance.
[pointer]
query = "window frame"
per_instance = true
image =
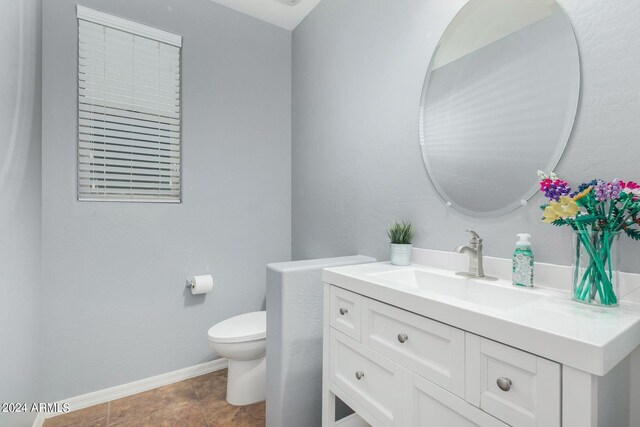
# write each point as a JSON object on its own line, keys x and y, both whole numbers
{"x": 141, "y": 30}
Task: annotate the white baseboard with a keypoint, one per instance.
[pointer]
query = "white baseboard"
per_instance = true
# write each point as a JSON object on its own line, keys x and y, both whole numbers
{"x": 39, "y": 421}
{"x": 124, "y": 390}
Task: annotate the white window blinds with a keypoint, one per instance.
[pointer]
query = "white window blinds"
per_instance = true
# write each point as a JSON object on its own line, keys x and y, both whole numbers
{"x": 128, "y": 110}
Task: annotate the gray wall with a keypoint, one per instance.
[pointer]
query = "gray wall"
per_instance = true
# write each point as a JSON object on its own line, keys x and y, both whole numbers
{"x": 114, "y": 273}
{"x": 358, "y": 69}
{"x": 20, "y": 192}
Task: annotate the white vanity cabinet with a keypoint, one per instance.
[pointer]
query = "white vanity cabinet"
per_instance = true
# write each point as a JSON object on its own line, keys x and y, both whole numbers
{"x": 397, "y": 368}
{"x": 423, "y": 346}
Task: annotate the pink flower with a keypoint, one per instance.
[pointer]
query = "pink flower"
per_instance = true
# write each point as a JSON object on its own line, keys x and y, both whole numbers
{"x": 545, "y": 183}
{"x": 630, "y": 185}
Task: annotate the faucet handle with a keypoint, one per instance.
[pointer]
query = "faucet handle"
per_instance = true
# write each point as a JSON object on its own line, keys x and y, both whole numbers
{"x": 475, "y": 237}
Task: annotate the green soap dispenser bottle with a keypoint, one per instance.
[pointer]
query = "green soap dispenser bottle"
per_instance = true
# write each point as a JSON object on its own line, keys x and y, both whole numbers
{"x": 523, "y": 261}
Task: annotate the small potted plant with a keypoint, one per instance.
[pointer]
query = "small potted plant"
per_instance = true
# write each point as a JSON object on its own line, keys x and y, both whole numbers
{"x": 401, "y": 235}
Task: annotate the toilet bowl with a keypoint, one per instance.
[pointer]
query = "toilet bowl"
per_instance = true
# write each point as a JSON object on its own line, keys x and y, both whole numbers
{"x": 242, "y": 340}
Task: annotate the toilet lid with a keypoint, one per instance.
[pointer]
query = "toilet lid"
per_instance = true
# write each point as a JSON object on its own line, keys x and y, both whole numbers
{"x": 245, "y": 327}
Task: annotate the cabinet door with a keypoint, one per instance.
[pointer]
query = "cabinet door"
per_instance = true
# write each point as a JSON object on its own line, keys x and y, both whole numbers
{"x": 517, "y": 387}
{"x": 372, "y": 381}
{"x": 427, "y": 405}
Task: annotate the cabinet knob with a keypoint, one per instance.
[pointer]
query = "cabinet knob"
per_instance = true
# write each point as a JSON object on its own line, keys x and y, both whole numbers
{"x": 359, "y": 375}
{"x": 343, "y": 311}
{"x": 504, "y": 383}
{"x": 403, "y": 338}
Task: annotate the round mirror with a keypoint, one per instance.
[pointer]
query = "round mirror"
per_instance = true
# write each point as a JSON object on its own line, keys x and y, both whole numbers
{"x": 498, "y": 103}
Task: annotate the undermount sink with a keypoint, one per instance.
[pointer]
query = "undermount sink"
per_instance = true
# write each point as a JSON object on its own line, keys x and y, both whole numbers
{"x": 473, "y": 290}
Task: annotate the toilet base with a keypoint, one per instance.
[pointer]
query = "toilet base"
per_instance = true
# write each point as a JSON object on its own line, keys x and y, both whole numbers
{"x": 246, "y": 381}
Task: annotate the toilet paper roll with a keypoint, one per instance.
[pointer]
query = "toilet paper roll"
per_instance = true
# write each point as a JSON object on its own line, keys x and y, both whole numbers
{"x": 201, "y": 284}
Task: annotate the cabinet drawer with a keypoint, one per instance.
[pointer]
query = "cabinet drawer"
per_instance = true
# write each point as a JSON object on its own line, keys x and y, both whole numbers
{"x": 530, "y": 393}
{"x": 431, "y": 349}
{"x": 371, "y": 380}
{"x": 426, "y": 404}
{"x": 345, "y": 313}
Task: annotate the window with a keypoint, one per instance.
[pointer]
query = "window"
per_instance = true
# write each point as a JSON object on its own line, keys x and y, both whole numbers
{"x": 128, "y": 110}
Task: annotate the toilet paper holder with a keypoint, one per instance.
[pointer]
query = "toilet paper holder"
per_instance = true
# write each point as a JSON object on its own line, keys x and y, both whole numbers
{"x": 200, "y": 284}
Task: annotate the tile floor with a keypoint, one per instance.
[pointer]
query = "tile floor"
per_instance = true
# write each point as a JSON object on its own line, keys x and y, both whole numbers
{"x": 197, "y": 402}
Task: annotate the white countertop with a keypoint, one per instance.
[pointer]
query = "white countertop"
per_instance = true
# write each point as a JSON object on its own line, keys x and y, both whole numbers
{"x": 588, "y": 338}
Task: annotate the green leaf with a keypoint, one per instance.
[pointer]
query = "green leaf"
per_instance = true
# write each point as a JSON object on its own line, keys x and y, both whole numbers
{"x": 615, "y": 210}
{"x": 401, "y": 233}
{"x": 585, "y": 219}
{"x": 633, "y": 233}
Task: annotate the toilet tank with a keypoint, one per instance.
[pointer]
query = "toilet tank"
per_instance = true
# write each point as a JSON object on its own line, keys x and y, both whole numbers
{"x": 294, "y": 340}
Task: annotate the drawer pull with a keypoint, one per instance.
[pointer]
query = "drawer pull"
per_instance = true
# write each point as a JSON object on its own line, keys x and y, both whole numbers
{"x": 504, "y": 384}
{"x": 403, "y": 338}
{"x": 359, "y": 375}
{"x": 343, "y": 311}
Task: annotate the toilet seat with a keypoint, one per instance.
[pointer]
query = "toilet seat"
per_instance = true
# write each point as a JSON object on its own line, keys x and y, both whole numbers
{"x": 243, "y": 328}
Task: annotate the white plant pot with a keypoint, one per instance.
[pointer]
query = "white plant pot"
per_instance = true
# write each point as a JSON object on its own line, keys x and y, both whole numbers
{"x": 401, "y": 254}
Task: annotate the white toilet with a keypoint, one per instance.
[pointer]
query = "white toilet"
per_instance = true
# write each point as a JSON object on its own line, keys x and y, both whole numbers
{"x": 243, "y": 341}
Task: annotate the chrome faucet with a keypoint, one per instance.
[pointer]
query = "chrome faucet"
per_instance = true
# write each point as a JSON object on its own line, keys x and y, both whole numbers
{"x": 474, "y": 250}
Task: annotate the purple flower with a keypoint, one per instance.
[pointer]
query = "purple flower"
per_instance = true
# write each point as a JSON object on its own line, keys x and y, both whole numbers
{"x": 553, "y": 190}
{"x": 614, "y": 188}
{"x": 601, "y": 191}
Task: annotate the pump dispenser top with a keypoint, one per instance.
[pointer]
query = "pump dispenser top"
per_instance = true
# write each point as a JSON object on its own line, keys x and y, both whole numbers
{"x": 524, "y": 240}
